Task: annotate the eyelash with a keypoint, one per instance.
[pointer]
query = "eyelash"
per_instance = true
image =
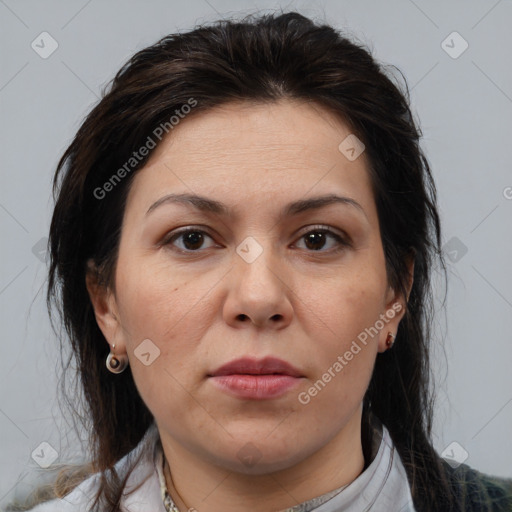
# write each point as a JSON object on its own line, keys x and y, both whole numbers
{"x": 343, "y": 242}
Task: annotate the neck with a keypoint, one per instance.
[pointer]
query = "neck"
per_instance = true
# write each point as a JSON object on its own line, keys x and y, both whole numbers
{"x": 196, "y": 484}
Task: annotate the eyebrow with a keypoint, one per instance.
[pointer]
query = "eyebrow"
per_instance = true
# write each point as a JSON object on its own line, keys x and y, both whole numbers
{"x": 212, "y": 206}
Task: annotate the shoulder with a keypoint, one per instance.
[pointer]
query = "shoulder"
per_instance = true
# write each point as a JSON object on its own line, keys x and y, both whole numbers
{"x": 480, "y": 492}
{"x": 79, "y": 499}
{"x": 141, "y": 492}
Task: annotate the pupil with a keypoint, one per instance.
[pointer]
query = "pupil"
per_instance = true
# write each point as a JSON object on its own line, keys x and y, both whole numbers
{"x": 312, "y": 238}
{"x": 193, "y": 240}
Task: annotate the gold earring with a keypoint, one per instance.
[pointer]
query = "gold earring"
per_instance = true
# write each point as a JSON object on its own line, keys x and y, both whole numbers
{"x": 390, "y": 339}
{"x": 116, "y": 364}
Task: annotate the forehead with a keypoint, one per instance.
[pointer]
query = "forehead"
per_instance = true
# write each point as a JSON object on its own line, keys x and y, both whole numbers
{"x": 242, "y": 150}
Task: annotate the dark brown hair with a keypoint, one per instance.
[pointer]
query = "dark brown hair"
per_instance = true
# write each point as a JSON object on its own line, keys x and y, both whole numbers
{"x": 260, "y": 59}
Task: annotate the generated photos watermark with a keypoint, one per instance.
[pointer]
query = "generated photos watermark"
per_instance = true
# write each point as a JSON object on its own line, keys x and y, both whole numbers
{"x": 305, "y": 397}
{"x": 137, "y": 156}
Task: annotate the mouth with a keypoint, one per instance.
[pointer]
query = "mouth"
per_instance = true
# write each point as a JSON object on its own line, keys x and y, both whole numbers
{"x": 256, "y": 379}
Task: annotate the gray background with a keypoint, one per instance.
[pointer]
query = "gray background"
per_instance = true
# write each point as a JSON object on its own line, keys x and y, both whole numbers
{"x": 465, "y": 107}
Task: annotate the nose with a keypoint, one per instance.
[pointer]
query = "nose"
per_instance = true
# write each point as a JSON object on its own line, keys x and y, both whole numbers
{"x": 259, "y": 293}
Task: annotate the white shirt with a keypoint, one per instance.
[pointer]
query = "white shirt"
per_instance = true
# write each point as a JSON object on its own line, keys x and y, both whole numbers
{"x": 381, "y": 487}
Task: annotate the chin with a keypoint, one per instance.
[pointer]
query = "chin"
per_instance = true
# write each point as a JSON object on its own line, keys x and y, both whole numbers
{"x": 260, "y": 455}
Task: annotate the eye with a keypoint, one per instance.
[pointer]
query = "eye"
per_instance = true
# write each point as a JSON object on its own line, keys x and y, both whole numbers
{"x": 323, "y": 240}
{"x": 319, "y": 239}
{"x": 188, "y": 240}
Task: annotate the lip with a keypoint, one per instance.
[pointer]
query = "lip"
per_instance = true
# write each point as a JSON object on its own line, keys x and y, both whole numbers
{"x": 256, "y": 379}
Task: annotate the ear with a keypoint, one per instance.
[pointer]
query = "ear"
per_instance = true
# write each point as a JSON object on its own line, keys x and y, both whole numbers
{"x": 105, "y": 307}
{"x": 396, "y": 307}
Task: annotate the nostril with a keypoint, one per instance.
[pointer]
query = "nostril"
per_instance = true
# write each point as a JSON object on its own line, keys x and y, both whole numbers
{"x": 274, "y": 318}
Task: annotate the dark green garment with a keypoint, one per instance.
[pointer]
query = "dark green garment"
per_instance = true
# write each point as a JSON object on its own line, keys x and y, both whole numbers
{"x": 479, "y": 492}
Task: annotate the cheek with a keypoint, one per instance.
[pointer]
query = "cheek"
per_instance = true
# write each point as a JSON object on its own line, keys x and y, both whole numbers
{"x": 160, "y": 306}
{"x": 157, "y": 301}
{"x": 342, "y": 306}
{"x": 175, "y": 311}
{"x": 341, "y": 313}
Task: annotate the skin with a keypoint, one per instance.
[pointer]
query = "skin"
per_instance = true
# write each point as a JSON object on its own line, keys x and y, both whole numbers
{"x": 209, "y": 306}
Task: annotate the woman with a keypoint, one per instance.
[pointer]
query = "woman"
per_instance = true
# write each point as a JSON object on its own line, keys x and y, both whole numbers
{"x": 241, "y": 250}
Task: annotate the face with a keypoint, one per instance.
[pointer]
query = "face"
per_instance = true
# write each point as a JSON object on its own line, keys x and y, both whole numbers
{"x": 234, "y": 246}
